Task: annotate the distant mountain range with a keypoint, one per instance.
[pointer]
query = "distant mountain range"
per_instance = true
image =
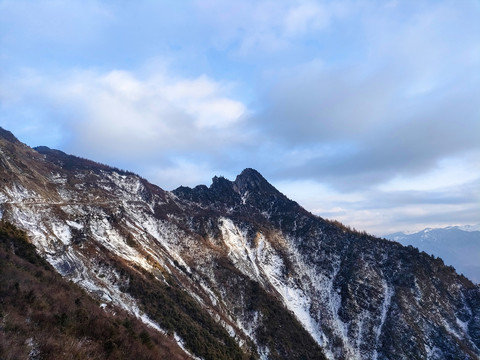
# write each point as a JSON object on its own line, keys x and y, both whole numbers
{"x": 230, "y": 271}
{"x": 458, "y": 246}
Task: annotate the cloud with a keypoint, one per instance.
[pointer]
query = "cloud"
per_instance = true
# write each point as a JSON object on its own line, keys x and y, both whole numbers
{"x": 200, "y": 98}
{"x": 400, "y": 113}
{"x": 386, "y": 211}
{"x": 373, "y": 150}
{"x": 123, "y": 117}
{"x": 403, "y": 210}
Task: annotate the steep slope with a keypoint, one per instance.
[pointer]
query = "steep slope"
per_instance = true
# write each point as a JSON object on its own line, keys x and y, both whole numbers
{"x": 43, "y": 316}
{"x": 457, "y": 246}
{"x": 360, "y": 297}
{"x": 236, "y": 270}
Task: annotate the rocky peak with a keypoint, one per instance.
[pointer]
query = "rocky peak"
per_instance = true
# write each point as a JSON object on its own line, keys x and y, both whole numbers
{"x": 257, "y": 192}
{"x": 252, "y": 181}
{"x": 221, "y": 185}
{"x": 220, "y": 194}
{"x": 249, "y": 190}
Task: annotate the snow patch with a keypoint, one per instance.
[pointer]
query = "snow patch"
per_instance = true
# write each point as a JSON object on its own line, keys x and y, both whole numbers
{"x": 74, "y": 225}
{"x": 387, "y": 298}
{"x": 181, "y": 343}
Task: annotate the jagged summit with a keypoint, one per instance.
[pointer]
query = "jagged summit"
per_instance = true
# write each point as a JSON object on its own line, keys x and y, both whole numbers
{"x": 251, "y": 180}
{"x": 249, "y": 190}
{"x": 251, "y": 174}
{"x": 219, "y": 194}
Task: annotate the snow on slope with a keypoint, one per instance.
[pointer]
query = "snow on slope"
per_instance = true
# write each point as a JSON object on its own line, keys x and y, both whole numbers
{"x": 262, "y": 262}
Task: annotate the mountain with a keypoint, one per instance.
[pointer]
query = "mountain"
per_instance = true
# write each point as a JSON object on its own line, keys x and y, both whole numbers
{"x": 235, "y": 270}
{"x": 458, "y": 246}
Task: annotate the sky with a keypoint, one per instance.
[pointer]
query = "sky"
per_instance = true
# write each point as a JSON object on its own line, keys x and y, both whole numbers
{"x": 367, "y": 112}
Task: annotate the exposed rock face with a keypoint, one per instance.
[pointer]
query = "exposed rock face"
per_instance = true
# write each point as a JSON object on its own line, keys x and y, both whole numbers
{"x": 249, "y": 271}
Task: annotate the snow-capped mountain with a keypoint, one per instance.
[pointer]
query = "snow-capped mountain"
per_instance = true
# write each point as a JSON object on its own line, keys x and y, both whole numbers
{"x": 235, "y": 270}
{"x": 458, "y": 246}
{"x": 467, "y": 227}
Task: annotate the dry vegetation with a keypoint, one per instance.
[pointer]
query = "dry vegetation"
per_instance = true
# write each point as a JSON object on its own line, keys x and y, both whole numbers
{"x": 42, "y": 316}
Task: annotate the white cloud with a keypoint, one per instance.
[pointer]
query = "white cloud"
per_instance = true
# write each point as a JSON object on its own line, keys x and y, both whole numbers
{"x": 450, "y": 172}
{"x": 398, "y": 114}
{"x": 119, "y": 114}
{"x": 202, "y": 99}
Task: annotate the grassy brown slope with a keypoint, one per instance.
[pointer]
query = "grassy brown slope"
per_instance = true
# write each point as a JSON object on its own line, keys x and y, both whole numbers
{"x": 43, "y": 316}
